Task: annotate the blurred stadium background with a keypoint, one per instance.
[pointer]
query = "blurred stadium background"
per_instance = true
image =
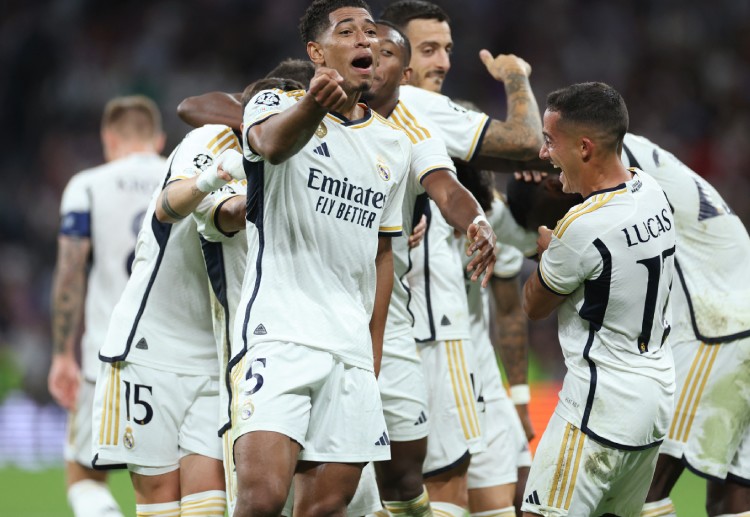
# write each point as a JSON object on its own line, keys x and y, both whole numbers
{"x": 683, "y": 67}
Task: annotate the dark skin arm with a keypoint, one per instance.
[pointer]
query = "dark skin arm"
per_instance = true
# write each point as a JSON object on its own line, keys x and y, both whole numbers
{"x": 383, "y": 289}
{"x": 231, "y": 215}
{"x": 459, "y": 207}
{"x": 512, "y": 339}
{"x": 212, "y": 108}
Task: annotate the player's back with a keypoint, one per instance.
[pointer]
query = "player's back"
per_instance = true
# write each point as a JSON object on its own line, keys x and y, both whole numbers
{"x": 613, "y": 257}
{"x": 713, "y": 302}
{"x": 116, "y": 196}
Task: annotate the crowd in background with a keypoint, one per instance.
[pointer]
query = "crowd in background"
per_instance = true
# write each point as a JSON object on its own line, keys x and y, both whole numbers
{"x": 683, "y": 67}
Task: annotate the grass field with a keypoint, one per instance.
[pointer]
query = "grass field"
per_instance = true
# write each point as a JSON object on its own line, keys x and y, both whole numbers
{"x": 42, "y": 494}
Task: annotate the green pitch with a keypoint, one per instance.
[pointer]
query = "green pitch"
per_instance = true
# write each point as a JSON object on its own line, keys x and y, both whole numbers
{"x": 42, "y": 494}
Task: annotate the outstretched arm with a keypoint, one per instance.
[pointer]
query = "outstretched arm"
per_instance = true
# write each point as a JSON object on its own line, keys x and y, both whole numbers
{"x": 462, "y": 211}
{"x": 383, "y": 289}
{"x": 68, "y": 297}
{"x": 519, "y": 136}
{"x": 212, "y": 108}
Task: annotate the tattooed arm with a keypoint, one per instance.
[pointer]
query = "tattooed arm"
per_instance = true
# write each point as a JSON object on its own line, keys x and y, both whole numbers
{"x": 178, "y": 199}
{"x": 512, "y": 338}
{"x": 68, "y": 296}
{"x": 519, "y": 136}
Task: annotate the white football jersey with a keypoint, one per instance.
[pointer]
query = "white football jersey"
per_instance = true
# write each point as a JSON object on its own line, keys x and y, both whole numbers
{"x": 428, "y": 155}
{"x": 711, "y": 300}
{"x": 163, "y": 319}
{"x": 461, "y": 129}
{"x": 107, "y": 204}
{"x": 313, "y": 227}
{"x": 438, "y": 297}
{"x": 612, "y": 256}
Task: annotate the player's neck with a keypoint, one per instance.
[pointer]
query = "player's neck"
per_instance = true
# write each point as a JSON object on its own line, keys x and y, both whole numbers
{"x": 384, "y": 106}
{"x": 352, "y": 110}
{"x": 604, "y": 175}
{"x": 123, "y": 149}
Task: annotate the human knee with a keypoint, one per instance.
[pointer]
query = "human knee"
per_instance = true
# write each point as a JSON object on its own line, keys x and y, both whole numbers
{"x": 328, "y": 505}
{"x": 259, "y": 502}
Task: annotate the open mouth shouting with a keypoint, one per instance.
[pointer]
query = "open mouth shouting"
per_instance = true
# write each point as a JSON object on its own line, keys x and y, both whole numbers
{"x": 363, "y": 64}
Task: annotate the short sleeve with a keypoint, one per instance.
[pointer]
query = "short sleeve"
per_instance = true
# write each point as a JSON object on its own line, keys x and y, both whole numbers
{"x": 205, "y": 214}
{"x": 508, "y": 263}
{"x": 200, "y": 148}
{"x": 428, "y": 156}
{"x": 561, "y": 267}
{"x": 75, "y": 208}
{"x": 391, "y": 222}
{"x": 264, "y": 105}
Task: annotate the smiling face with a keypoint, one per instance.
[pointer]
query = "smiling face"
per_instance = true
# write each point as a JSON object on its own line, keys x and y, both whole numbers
{"x": 349, "y": 46}
{"x": 431, "y": 48}
{"x": 391, "y": 68}
{"x": 561, "y": 150}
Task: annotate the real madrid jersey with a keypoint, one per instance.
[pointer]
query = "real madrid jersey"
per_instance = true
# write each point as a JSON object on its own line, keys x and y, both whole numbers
{"x": 313, "y": 227}
{"x": 711, "y": 295}
{"x": 428, "y": 155}
{"x": 438, "y": 298}
{"x": 106, "y": 204}
{"x": 616, "y": 315}
{"x": 163, "y": 319}
{"x": 461, "y": 129}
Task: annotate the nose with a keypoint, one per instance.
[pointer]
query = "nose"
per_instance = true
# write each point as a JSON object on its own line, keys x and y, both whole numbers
{"x": 544, "y": 152}
{"x": 443, "y": 60}
{"x": 363, "y": 40}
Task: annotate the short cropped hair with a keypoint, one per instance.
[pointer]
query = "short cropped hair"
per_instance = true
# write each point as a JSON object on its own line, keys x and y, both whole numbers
{"x": 268, "y": 83}
{"x": 295, "y": 70}
{"x": 134, "y": 117}
{"x": 407, "y": 43}
{"x": 315, "y": 20}
{"x": 401, "y": 12}
{"x": 596, "y": 105}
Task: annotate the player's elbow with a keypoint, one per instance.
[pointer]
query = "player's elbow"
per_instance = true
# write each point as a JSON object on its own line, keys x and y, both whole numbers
{"x": 534, "y": 311}
{"x": 186, "y": 110}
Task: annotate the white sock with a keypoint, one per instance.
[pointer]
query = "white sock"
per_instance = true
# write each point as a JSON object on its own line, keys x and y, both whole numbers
{"x": 743, "y": 514}
{"x": 89, "y": 498}
{"x": 663, "y": 508}
{"x": 210, "y": 503}
{"x": 508, "y": 511}
{"x": 443, "y": 509}
{"x": 171, "y": 509}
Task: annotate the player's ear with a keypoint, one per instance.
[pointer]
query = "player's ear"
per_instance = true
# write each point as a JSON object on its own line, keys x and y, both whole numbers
{"x": 315, "y": 52}
{"x": 586, "y": 147}
{"x": 406, "y": 76}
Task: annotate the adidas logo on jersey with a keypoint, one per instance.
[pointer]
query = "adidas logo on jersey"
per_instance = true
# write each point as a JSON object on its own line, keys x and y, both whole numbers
{"x": 142, "y": 345}
{"x": 445, "y": 321}
{"x": 260, "y": 330}
{"x": 322, "y": 150}
{"x": 422, "y": 418}
{"x": 533, "y": 498}
{"x": 384, "y": 440}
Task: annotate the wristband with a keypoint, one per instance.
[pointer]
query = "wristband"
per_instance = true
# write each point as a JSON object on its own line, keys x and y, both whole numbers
{"x": 520, "y": 394}
{"x": 480, "y": 218}
{"x": 208, "y": 180}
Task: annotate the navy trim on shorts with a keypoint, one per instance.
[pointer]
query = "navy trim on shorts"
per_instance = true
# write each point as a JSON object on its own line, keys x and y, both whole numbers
{"x": 702, "y": 474}
{"x": 738, "y": 479}
{"x": 254, "y": 214}
{"x": 103, "y": 468}
{"x": 464, "y": 457}
{"x": 422, "y": 207}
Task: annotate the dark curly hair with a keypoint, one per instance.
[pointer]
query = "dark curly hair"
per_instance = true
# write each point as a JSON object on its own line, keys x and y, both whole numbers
{"x": 315, "y": 20}
{"x": 402, "y": 12}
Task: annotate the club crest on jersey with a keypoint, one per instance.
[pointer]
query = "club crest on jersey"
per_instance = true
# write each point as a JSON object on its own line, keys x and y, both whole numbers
{"x": 383, "y": 170}
{"x": 247, "y": 410}
{"x": 127, "y": 438}
{"x": 202, "y": 161}
{"x": 267, "y": 99}
{"x": 321, "y": 131}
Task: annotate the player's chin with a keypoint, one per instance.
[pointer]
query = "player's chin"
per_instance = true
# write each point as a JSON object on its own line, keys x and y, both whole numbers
{"x": 363, "y": 85}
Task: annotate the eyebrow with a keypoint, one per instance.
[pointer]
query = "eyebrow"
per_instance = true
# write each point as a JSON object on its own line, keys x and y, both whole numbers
{"x": 350, "y": 20}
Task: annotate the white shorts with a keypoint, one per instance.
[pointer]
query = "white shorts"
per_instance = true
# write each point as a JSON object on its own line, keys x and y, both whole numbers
{"x": 78, "y": 445}
{"x": 573, "y": 475}
{"x": 454, "y": 422}
{"x": 331, "y": 409}
{"x": 403, "y": 390}
{"x": 711, "y": 423}
{"x": 366, "y": 499}
{"x": 148, "y": 418}
{"x": 507, "y": 447}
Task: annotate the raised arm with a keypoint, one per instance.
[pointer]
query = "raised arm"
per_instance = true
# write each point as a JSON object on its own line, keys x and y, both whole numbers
{"x": 462, "y": 211}
{"x": 519, "y": 136}
{"x": 68, "y": 297}
{"x": 280, "y": 137}
{"x": 212, "y": 108}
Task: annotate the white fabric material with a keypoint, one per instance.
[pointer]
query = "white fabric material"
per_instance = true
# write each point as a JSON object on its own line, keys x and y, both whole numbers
{"x": 663, "y": 508}
{"x": 115, "y": 197}
{"x": 171, "y": 509}
{"x": 169, "y": 283}
{"x": 708, "y": 232}
{"x": 89, "y": 498}
{"x": 318, "y": 216}
{"x": 78, "y": 445}
{"x": 610, "y": 256}
{"x": 211, "y": 503}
